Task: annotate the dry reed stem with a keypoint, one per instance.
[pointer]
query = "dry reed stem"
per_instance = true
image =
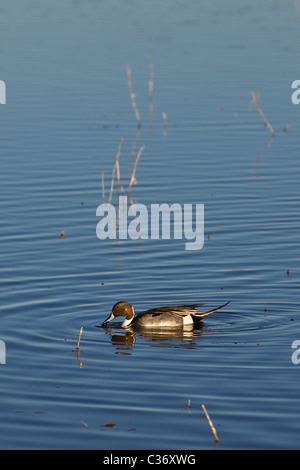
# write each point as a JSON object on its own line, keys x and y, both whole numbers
{"x": 211, "y": 424}
{"x": 116, "y": 166}
{"x": 251, "y": 103}
{"x": 133, "y": 180}
{"x": 164, "y": 116}
{"x": 120, "y": 187}
{"x": 255, "y": 99}
{"x": 79, "y": 336}
{"x": 151, "y": 87}
{"x": 103, "y": 188}
{"x": 287, "y": 128}
{"x": 133, "y": 147}
{"x": 151, "y": 80}
{"x": 132, "y": 96}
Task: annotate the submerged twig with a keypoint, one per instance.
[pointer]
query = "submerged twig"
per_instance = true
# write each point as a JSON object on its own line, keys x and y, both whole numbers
{"x": 255, "y": 99}
{"x": 263, "y": 153}
{"x": 211, "y": 424}
{"x": 132, "y": 96}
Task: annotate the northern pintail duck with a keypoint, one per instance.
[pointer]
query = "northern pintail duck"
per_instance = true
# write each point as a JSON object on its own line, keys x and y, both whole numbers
{"x": 162, "y": 317}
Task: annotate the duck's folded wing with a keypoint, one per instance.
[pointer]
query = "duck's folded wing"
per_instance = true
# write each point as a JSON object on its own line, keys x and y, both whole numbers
{"x": 184, "y": 310}
{"x": 176, "y": 310}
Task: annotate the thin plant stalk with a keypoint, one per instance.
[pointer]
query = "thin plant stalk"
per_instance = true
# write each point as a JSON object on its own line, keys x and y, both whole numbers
{"x": 211, "y": 424}
{"x": 116, "y": 165}
{"x": 103, "y": 188}
{"x": 133, "y": 180}
{"x": 151, "y": 87}
{"x": 255, "y": 99}
{"x": 79, "y": 336}
{"x": 132, "y": 96}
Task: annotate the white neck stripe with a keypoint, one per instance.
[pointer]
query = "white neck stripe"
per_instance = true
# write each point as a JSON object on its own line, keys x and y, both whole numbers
{"x": 127, "y": 322}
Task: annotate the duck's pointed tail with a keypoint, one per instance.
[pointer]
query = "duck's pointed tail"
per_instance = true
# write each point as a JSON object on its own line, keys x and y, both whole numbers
{"x": 201, "y": 315}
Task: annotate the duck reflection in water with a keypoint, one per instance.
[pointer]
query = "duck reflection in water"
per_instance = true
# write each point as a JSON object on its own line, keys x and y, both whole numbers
{"x": 187, "y": 337}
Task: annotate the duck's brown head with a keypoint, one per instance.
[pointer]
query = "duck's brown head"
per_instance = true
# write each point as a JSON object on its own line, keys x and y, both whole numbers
{"x": 121, "y": 309}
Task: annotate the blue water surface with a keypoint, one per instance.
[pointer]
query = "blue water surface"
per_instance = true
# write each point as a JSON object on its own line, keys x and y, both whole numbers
{"x": 68, "y": 107}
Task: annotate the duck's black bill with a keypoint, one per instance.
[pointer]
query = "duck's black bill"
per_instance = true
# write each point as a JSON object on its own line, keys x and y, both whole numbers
{"x": 111, "y": 317}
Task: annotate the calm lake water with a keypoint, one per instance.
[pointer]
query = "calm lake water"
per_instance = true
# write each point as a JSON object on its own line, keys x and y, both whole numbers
{"x": 68, "y": 106}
